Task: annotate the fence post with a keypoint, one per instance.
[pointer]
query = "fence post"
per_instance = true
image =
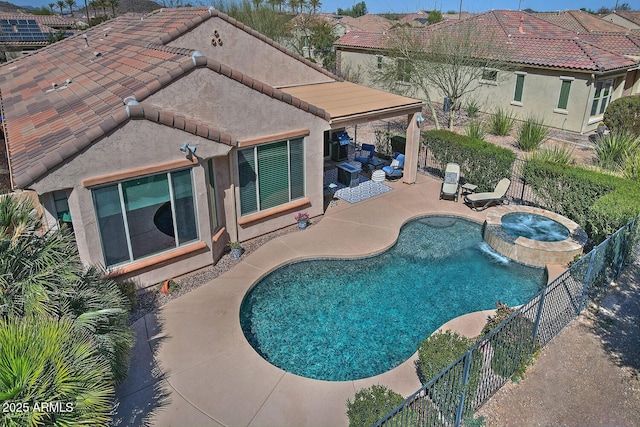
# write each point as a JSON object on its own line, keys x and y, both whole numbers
{"x": 626, "y": 243}
{"x": 538, "y": 316}
{"x": 586, "y": 280}
{"x": 524, "y": 181}
{"x": 465, "y": 380}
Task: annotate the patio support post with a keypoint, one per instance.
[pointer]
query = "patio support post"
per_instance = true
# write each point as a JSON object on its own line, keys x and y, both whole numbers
{"x": 411, "y": 150}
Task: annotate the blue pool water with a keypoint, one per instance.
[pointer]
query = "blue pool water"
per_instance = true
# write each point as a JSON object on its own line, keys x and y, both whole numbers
{"x": 341, "y": 320}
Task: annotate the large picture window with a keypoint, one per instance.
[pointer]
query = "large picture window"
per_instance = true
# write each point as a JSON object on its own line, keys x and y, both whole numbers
{"x": 271, "y": 175}
{"x": 145, "y": 216}
{"x": 601, "y": 97}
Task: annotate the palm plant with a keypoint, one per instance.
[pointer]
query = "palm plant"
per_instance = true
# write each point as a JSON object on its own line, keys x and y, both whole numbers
{"x": 114, "y": 4}
{"x": 315, "y": 5}
{"x": 71, "y": 4}
{"x": 51, "y": 6}
{"x": 41, "y": 275}
{"x": 61, "y": 4}
{"x": 49, "y": 360}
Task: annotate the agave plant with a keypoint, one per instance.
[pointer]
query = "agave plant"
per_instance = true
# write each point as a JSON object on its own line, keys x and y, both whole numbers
{"x": 54, "y": 372}
{"x": 531, "y": 133}
{"x": 501, "y": 122}
{"x": 476, "y": 129}
{"x": 41, "y": 275}
{"x": 557, "y": 154}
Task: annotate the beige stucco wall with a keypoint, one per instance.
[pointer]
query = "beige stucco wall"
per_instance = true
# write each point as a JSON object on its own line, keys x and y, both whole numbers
{"x": 136, "y": 144}
{"x": 540, "y": 92}
{"x": 248, "y": 114}
{"x": 247, "y": 54}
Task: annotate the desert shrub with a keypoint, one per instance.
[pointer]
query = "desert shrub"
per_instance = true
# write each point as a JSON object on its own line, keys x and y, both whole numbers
{"x": 613, "y": 148}
{"x": 512, "y": 343}
{"x": 128, "y": 289}
{"x": 481, "y": 163}
{"x": 434, "y": 355}
{"x": 623, "y": 115}
{"x": 632, "y": 167}
{"x": 557, "y": 154}
{"x": 472, "y": 108}
{"x": 476, "y": 129}
{"x": 501, "y": 122}
{"x": 531, "y": 133}
{"x": 598, "y": 202}
{"x": 439, "y": 351}
{"x": 371, "y": 404}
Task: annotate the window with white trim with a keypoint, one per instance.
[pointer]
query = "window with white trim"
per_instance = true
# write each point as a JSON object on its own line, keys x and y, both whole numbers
{"x": 489, "y": 75}
{"x": 271, "y": 175}
{"x": 145, "y": 216}
{"x": 601, "y": 97}
{"x": 403, "y": 70}
{"x": 379, "y": 62}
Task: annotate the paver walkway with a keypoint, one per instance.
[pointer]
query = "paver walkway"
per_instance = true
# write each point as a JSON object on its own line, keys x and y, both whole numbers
{"x": 192, "y": 365}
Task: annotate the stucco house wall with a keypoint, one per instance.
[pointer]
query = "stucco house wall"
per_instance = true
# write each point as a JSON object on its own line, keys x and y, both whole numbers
{"x": 540, "y": 96}
{"x": 243, "y": 52}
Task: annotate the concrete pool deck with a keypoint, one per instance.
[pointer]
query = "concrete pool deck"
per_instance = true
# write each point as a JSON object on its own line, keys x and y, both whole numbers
{"x": 192, "y": 366}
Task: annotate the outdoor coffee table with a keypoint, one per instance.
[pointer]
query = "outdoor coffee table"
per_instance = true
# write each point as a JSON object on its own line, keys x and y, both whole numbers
{"x": 468, "y": 188}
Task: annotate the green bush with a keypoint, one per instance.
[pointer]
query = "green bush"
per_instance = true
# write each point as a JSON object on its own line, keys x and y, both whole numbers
{"x": 511, "y": 344}
{"x": 531, "y": 133}
{"x": 632, "y": 167}
{"x": 481, "y": 163}
{"x": 501, "y": 122}
{"x": 435, "y": 354}
{"x": 598, "y": 202}
{"x": 371, "y": 404}
{"x": 128, "y": 289}
{"x": 476, "y": 129}
{"x": 613, "y": 148}
{"x": 623, "y": 114}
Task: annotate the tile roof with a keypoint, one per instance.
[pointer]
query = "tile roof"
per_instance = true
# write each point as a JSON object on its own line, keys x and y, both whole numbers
{"x": 630, "y": 15}
{"x": 369, "y": 23}
{"x": 581, "y": 22}
{"x": 53, "y": 21}
{"x": 60, "y": 99}
{"x": 530, "y": 40}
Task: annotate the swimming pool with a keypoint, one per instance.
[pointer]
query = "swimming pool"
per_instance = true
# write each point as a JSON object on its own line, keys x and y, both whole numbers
{"x": 341, "y": 320}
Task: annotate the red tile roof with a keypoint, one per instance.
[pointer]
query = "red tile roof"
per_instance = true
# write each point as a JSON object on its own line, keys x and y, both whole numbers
{"x": 46, "y": 124}
{"x": 53, "y": 21}
{"x": 581, "y": 22}
{"x": 530, "y": 40}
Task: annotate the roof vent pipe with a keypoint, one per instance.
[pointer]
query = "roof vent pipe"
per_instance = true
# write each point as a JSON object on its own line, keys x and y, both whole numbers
{"x": 131, "y": 98}
{"x": 132, "y": 101}
{"x": 86, "y": 42}
{"x": 211, "y": 10}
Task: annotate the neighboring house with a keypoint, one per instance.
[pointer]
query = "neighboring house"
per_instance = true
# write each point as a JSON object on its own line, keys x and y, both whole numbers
{"x": 23, "y": 33}
{"x": 581, "y": 22}
{"x": 421, "y": 19}
{"x": 563, "y": 77}
{"x": 159, "y": 140}
{"x": 627, "y": 18}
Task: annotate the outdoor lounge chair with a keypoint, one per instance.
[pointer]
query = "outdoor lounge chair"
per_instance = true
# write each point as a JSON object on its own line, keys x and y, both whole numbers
{"x": 394, "y": 170}
{"x": 481, "y": 201}
{"x": 366, "y": 154}
{"x": 451, "y": 185}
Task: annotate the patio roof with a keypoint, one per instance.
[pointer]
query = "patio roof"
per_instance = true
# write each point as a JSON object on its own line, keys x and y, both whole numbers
{"x": 345, "y": 101}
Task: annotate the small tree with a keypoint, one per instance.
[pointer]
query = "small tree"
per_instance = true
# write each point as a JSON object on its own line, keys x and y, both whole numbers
{"x": 434, "y": 17}
{"x": 358, "y": 9}
{"x": 370, "y": 404}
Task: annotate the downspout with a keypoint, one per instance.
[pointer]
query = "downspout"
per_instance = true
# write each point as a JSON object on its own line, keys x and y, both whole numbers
{"x": 233, "y": 230}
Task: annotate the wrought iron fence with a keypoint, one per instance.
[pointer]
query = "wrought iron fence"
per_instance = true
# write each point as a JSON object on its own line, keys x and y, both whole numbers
{"x": 519, "y": 191}
{"x": 461, "y": 388}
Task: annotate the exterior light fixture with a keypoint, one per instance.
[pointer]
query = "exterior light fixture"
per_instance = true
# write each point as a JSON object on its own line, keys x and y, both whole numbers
{"x": 188, "y": 149}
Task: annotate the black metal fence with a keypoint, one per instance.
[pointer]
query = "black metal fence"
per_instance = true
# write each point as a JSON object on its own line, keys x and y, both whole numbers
{"x": 454, "y": 394}
{"x": 519, "y": 192}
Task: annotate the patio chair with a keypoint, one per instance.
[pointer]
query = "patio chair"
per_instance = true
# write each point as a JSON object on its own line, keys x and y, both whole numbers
{"x": 394, "y": 171}
{"x": 481, "y": 201}
{"x": 451, "y": 185}
{"x": 366, "y": 154}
